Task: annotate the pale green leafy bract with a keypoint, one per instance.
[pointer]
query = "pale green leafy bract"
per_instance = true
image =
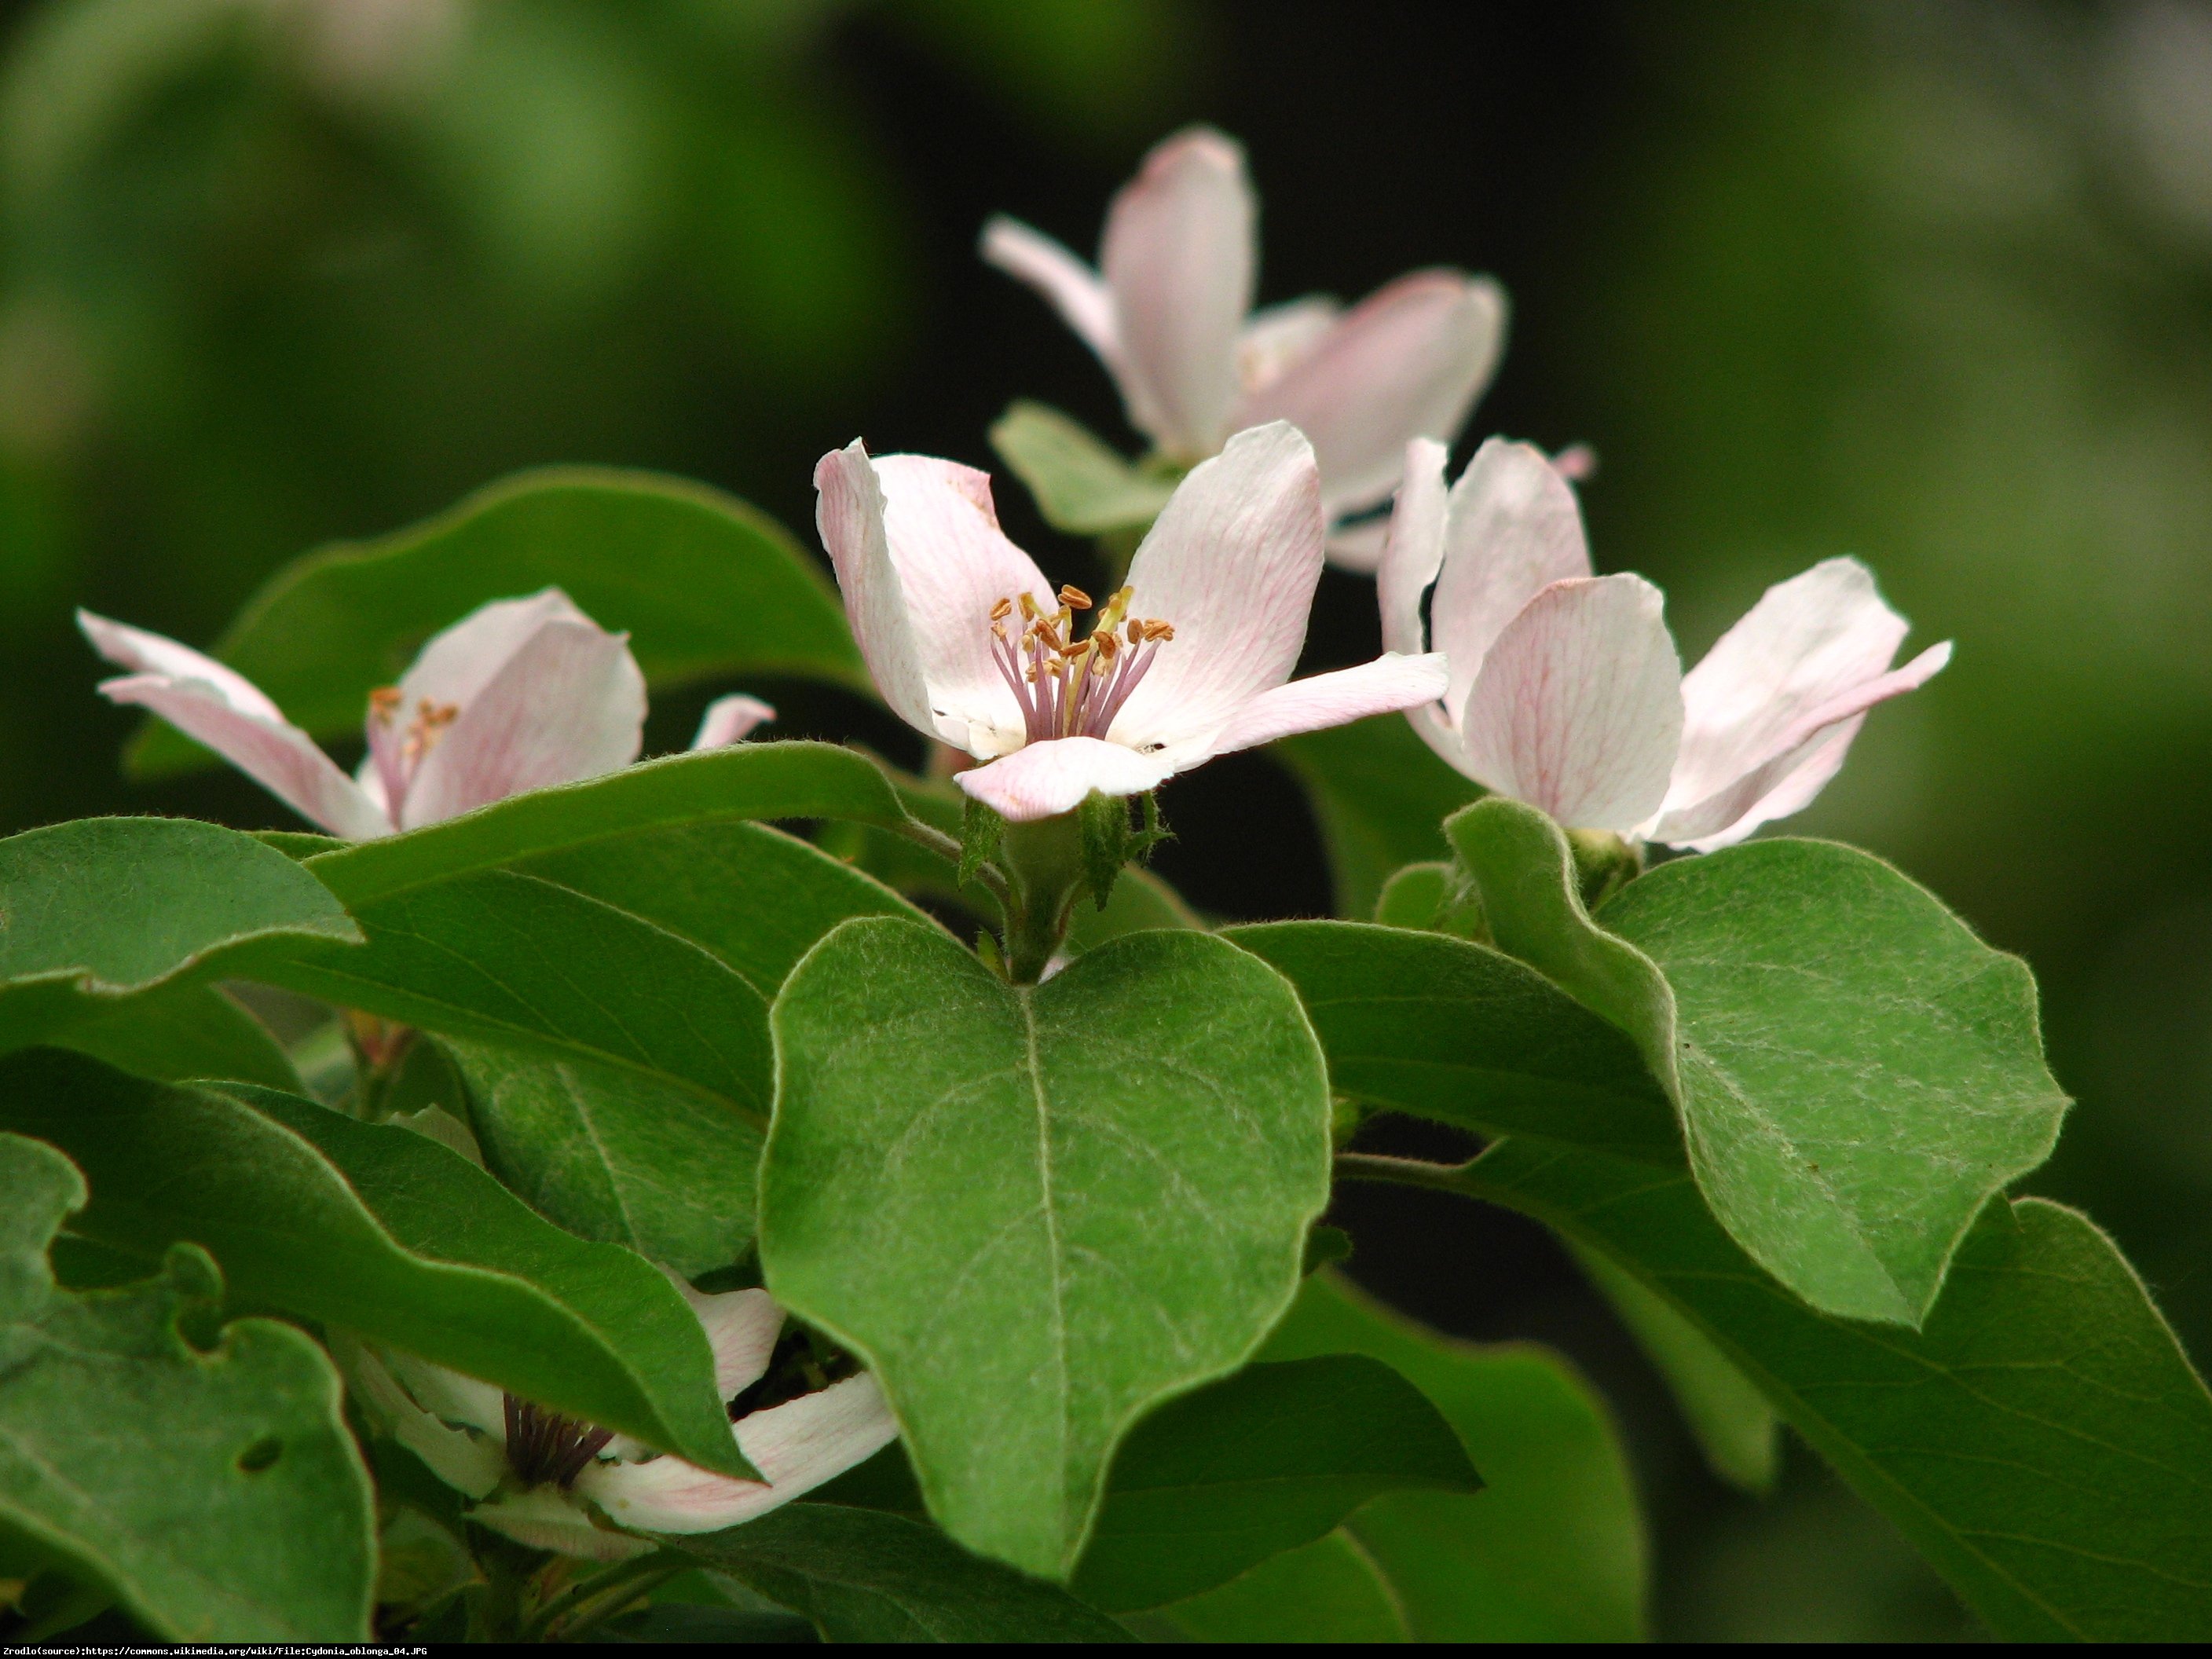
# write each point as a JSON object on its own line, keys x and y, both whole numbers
{"x": 1037, "y": 1211}
{"x": 1081, "y": 485}
{"x": 1855, "y": 1072}
{"x": 217, "y": 1494}
{"x": 703, "y": 584}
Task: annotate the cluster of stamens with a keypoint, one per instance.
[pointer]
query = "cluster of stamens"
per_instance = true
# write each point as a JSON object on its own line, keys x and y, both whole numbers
{"x": 398, "y": 752}
{"x": 1071, "y": 687}
{"x": 545, "y": 1446}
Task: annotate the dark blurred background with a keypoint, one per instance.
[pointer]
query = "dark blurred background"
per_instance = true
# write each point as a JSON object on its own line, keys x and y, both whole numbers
{"x": 1927, "y": 281}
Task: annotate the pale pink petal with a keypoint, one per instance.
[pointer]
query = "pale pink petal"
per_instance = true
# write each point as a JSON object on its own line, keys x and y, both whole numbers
{"x": 1357, "y": 546}
{"x": 1178, "y": 258}
{"x": 1407, "y": 362}
{"x": 1275, "y": 340}
{"x": 1388, "y": 685}
{"x": 1578, "y": 707}
{"x": 1414, "y": 551}
{"x": 471, "y": 1463}
{"x": 741, "y": 1327}
{"x": 1231, "y": 564}
{"x": 1072, "y": 287}
{"x": 451, "y": 1397}
{"x": 546, "y": 1519}
{"x": 1809, "y": 754}
{"x": 849, "y": 513}
{"x": 798, "y": 1446}
{"x": 280, "y": 759}
{"x": 1807, "y": 642}
{"x": 142, "y": 652}
{"x": 954, "y": 565}
{"x": 1049, "y": 778}
{"x": 732, "y": 720}
{"x": 458, "y": 663}
{"x": 1511, "y": 527}
{"x": 569, "y": 704}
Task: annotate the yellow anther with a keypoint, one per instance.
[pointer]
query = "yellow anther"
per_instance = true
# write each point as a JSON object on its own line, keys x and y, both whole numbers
{"x": 1074, "y": 598}
{"x": 1031, "y": 610}
{"x": 1004, "y": 609}
{"x": 384, "y": 702}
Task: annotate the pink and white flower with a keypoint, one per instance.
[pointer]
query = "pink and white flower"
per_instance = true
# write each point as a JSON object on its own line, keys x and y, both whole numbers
{"x": 1565, "y": 688}
{"x": 1169, "y": 310}
{"x": 520, "y": 694}
{"x": 970, "y": 646}
{"x": 553, "y": 1483}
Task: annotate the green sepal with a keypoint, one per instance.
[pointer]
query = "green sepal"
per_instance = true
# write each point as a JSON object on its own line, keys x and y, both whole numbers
{"x": 1104, "y": 823}
{"x": 982, "y": 830}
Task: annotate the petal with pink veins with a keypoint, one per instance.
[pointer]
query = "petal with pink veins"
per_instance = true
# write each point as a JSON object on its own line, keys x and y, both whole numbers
{"x": 730, "y": 720}
{"x": 1231, "y": 564}
{"x": 1414, "y": 549}
{"x": 1074, "y": 290}
{"x": 458, "y": 663}
{"x": 1579, "y": 707}
{"x": 142, "y": 652}
{"x": 1055, "y": 776}
{"x": 849, "y": 514}
{"x": 798, "y": 1445}
{"x": 1511, "y": 527}
{"x": 568, "y": 704}
{"x": 741, "y": 1327}
{"x": 1407, "y": 362}
{"x": 1388, "y": 685}
{"x": 1274, "y": 341}
{"x": 1178, "y": 258}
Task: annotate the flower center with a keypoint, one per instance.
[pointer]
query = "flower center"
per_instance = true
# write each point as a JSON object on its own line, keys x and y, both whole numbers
{"x": 1071, "y": 688}
{"x": 400, "y": 751}
{"x": 545, "y": 1446}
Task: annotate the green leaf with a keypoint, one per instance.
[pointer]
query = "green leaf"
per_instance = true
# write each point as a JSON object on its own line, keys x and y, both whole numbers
{"x": 1037, "y": 1211}
{"x": 1330, "y": 1591}
{"x": 2041, "y": 1439}
{"x": 216, "y": 1493}
{"x": 384, "y": 1232}
{"x": 705, "y": 585}
{"x": 1435, "y": 1026}
{"x": 1141, "y": 901}
{"x": 1379, "y": 795}
{"x": 1734, "y": 1425}
{"x": 99, "y": 916}
{"x": 1856, "y": 1074}
{"x": 1552, "y": 1549}
{"x": 174, "y": 1033}
{"x": 1081, "y": 485}
{"x": 865, "y": 1576}
{"x": 1266, "y": 1461}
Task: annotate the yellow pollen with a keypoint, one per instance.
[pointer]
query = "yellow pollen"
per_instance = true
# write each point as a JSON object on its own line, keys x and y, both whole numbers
{"x": 384, "y": 702}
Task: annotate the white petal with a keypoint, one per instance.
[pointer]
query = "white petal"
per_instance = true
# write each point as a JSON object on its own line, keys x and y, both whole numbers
{"x": 730, "y": 720}
{"x": 798, "y": 1445}
{"x": 458, "y": 663}
{"x": 280, "y": 759}
{"x": 1073, "y": 287}
{"x": 741, "y": 1327}
{"x": 1357, "y": 546}
{"x": 1231, "y": 564}
{"x": 1275, "y": 340}
{"x": 1511, "y": 527}
{"x": 1807, "y": 756}
{"x": 1578, "y": 709}
{"x": 1388, "y": 685}
{"x": 1808, "y": 642}
{"x": 849, "y": 514}
{"x": 546, "y": 1520}
{"x": 142, "y": 652}
{"x": 954, "y": 565}
{"x": 1414, "y": 551}
{"x": 1407, "y": 362}
{"x": 568, "y": 704}
{"x": 1178, "y": 257}
{"x": 1047, "y": 778}
{"x": 470, "y": 1463}
{"x": 450, "y": 1396}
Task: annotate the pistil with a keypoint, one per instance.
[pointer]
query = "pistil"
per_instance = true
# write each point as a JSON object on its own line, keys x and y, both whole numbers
{"x": 1068, "y": 688}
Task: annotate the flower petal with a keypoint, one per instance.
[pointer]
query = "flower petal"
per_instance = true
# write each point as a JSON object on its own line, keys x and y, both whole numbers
{"x": 1388, "y": 685}
{"x": 742, "y": 1328}
{"x": 1073, "y": 288}
{"x": 546, "y": 1520}
{"x": 1047, "y": 778}
{"x": 1511, "y": 527}
{"x": 1414, "y": 551}
{"x": 451, "y": 1397}
{"x": 730, "y": 720}
{"x": 798, "y": 1445}
{"x": 1357, "y": 546}
{"x": 568, "y": 704}
{"x": 142, "y": 652}
{"x": 1177, "y": 256}
{"x": 280, "y": 759}
{"x": 848, "y": 516}
{"x": 458, "y": 663}
{"x": 471, "y": 1464}
{"x": 1276, "y": 340}
{"x": 1578, "y": 707}
{"x": 1807, "y": 756}
{"x": 1408, "y": 362}
{"x": 1231, "y": 564}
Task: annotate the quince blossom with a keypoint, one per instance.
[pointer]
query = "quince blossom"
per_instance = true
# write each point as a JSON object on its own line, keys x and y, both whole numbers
{"x": 545, "y": 1480}
{"x": 969, "y": 645}
{"x": 519, "y": 694}
{"x": 1169, "y": 310}
{"x": 1567, "y": 691}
